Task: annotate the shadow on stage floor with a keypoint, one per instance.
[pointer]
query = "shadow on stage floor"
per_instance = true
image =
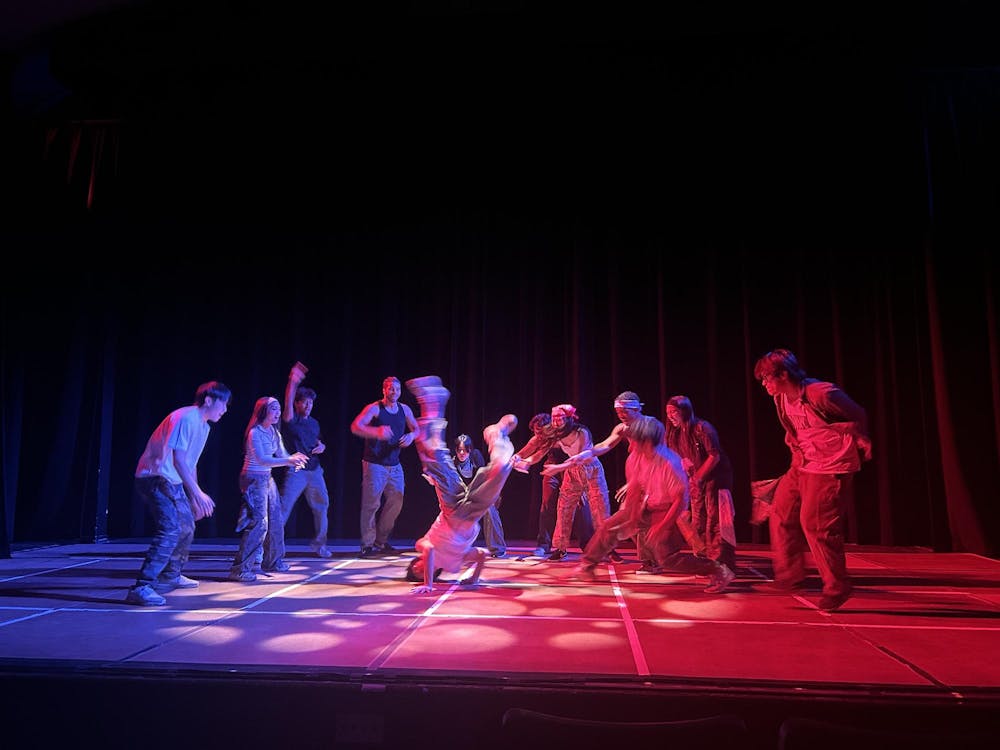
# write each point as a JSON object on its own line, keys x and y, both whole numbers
{"x": 338, "y": 653}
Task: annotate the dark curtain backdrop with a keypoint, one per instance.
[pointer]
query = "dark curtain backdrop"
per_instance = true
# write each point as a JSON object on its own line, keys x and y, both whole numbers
{"x": 910, "y": 335}
{"x": 560, "y": 219}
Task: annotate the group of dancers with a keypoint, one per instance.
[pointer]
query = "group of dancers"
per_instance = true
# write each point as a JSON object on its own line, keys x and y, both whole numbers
{"x": 676, "y": 503}
{"x": 654, "y": 498}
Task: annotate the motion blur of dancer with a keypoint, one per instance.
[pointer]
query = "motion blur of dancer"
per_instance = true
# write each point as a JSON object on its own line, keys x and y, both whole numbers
{"x": 657, "y": 495}
{"x": 448, "y": 543}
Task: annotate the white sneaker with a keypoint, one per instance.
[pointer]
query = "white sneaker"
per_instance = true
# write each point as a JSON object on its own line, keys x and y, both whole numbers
{"x": 144, "y": 596}
{"x": 180, "y": 582}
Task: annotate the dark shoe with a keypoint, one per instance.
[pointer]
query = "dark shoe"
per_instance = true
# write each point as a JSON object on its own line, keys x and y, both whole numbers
{"x": 829, "y": 603}
{"x": 387, "y": 549}
{"x": 367, "y": 552}
{"x": 557, "y": 554}
{"x": 720, "y": 580}
{"x": 615, "y": 557}
{"x": 499, "y": 553}
{"x": 780, "y": 587}
{"x": 245, "y": 576}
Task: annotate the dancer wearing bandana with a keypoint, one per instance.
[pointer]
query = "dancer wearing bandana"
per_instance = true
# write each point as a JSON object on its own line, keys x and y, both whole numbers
{"x": 586, "y": 473}
{"x": 628, "y": 407}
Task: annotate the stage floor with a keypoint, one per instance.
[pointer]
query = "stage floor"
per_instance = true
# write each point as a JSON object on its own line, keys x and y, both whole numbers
{"x": 921, "y": 626}
{"x": 917, "y": 620}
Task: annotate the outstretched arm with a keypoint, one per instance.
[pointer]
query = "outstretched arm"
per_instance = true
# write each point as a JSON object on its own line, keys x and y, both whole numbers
{"x": 533, "y": 451}
{"x": 582, "y": 449}
{"x": 599, "y": 449}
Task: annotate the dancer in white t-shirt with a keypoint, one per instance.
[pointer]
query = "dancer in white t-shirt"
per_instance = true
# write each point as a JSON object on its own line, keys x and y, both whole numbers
{"x": 448, "y": 543}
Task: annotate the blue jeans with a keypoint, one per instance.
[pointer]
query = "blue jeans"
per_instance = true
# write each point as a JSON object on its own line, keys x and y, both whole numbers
{"x": 174, "y": 529}
{"x": 260, "y": 523}
{"x": 493, "y": 538}
{"x": 318, "y": 498}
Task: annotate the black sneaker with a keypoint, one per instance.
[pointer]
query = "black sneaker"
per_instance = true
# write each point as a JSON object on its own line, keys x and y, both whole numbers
{"x": 615, "y": 557}
{"x": 649, "y": 569}
{"x": 828, "y": 603}
{"x": 387, "y": 549}
{"x": 780, "y": 587}
{"x": 557, "y": 554}
{"x": 367, "y": 552}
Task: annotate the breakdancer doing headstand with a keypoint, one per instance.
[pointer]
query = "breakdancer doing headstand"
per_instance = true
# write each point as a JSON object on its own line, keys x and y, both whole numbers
{"x": 448, "y": 543}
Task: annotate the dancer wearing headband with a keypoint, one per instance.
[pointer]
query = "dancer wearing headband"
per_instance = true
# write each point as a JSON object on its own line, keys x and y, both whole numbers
{"x": 548, "y": 450}
{"x": 582, "y": 472}
{"x": 628, "y": 407}
{"x": 260, "y": 520}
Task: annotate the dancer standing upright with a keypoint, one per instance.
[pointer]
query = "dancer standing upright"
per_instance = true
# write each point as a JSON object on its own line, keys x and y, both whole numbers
{"x": 387, "y": 426}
